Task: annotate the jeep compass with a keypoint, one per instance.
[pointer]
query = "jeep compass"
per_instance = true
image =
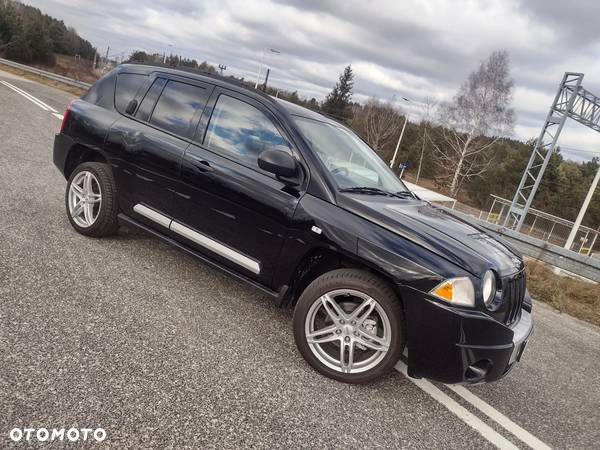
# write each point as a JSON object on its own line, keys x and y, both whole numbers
{"x": 297, "y": 205}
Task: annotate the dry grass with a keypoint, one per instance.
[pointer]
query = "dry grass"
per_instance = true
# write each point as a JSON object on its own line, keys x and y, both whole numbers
{"x": 577, "y": 298}
{"x": 55, "y": 84}
{"x": 69, "y": 66}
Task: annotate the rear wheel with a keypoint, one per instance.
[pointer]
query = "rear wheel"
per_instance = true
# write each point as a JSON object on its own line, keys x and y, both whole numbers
{"x": 348, "y": 325}
{"x": 91, "y": 200}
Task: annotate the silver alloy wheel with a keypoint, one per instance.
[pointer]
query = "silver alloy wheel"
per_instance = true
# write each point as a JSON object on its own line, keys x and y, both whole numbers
{"x": 355, "y": 331}
{"x": 85, "y": 199}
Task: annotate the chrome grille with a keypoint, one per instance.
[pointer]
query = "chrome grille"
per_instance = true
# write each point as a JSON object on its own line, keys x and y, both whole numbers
{"x": 513, "y": 293}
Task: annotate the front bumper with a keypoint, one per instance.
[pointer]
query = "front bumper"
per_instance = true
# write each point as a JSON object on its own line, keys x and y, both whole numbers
{"x": 454, "y": 345}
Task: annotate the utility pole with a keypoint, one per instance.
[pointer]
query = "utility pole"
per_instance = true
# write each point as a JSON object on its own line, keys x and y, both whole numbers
{"x": 106, "y": 58}
{"x": 222, "y": 67}
{"x": 398, "y": 144}
{"x": 583, "y": 210}
{"x": 401, "y": 134}
{"x": 266, "y": 79}
{"x": 165, "y": 54}
{"x": 262, "y": 57}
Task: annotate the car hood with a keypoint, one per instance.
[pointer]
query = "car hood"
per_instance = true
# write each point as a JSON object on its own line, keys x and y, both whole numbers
{"x": 447, "y": 235}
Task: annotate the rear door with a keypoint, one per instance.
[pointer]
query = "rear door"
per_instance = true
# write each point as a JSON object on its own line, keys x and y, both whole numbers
{"x": 150, "y": 144}
{"x": 227, "y": 206}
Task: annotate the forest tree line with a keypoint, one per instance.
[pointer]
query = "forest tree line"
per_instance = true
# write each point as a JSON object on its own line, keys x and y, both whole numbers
{"x": 27, "y": 35}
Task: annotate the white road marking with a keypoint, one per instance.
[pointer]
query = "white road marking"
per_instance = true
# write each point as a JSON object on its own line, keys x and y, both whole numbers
{"x": 29, "y": 97}
{"x": 499, "y": 418}
{"x": 58, "y": 116}
{"x": 20, "y": 93}
{"x": 460, "y": 411}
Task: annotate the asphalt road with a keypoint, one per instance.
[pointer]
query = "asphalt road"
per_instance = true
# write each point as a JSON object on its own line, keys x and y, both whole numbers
{"x": 138, "y": 338}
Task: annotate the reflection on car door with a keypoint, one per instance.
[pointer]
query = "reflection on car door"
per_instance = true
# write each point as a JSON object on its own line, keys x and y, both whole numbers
{"x": 239, "y": 212}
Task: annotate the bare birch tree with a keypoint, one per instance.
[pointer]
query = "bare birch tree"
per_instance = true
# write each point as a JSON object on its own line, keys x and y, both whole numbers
{"x": 379, "y": 122}
{"x": 479, "y": 114}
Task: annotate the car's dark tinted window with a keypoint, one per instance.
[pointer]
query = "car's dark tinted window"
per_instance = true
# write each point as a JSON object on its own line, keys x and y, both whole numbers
{"x": 177, "y": 105}
{"x": 145, "y": 109}
{"x": 127, "y": 86}
{"x": 242, "y": 131}
{"x": 102, "y": 93}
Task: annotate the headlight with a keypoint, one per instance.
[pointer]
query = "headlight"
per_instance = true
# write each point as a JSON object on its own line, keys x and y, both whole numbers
{"x": 488, "y": 287}
{"x": 458, "y": 291}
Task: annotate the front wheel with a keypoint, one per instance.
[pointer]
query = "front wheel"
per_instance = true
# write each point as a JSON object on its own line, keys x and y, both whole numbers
{"x": 348, "y": 325}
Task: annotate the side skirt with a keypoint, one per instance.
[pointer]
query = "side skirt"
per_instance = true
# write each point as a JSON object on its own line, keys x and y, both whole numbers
{"x": 129, "y": 221}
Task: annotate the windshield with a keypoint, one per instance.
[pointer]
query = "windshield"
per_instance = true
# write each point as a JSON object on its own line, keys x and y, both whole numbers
{"x": 352, "y": 163}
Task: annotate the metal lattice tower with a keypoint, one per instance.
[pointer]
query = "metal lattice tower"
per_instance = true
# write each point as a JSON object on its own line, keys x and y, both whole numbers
{"x": 571, "y": 101}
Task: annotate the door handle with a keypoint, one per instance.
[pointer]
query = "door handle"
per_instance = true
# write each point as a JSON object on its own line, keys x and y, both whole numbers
{"x": 200, "y": 165}
{"x": 203, "y": 166}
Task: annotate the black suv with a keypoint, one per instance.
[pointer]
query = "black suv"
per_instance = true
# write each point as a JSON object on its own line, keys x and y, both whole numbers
{"x": 297, "y": 205}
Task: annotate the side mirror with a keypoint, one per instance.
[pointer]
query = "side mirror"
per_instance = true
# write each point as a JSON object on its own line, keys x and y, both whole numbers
{"x": 278, "y": 162}
{"x": 131, "y": 106}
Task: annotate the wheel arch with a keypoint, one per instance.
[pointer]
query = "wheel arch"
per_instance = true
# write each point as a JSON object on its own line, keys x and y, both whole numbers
{"x": 321, "y": 260}
{"x": 79, "y": 154}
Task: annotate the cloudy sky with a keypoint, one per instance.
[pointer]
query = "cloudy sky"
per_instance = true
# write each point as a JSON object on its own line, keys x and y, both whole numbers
{"x": 405, "y": 48}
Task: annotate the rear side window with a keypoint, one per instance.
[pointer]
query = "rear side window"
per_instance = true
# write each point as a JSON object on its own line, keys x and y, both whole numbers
{"x": 127, "y": 86}
{"x": 102, "y": 93}
{"x": 242, "y": 131}
{"x": 177, "y": 105}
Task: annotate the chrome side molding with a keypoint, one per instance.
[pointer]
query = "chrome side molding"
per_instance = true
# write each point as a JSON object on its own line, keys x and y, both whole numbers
{"x": 216, "y": 247}
{"x": 199, "y": 238}
{"x": 153, "y": 215}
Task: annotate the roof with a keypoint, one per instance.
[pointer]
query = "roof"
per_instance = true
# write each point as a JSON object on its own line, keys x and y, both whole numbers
{"x": 289, "y": 107}
{"x": 200, "y": 75}
{"x": 427, "y": 194}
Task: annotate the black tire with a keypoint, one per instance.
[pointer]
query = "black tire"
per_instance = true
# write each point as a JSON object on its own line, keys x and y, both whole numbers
{"x": 106, "y": 222}
{"x": 366, "y": 283}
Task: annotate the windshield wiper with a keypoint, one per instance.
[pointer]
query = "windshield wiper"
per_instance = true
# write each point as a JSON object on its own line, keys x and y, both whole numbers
{"x": 405, "y": 194}
{"x": 376, "y": 191}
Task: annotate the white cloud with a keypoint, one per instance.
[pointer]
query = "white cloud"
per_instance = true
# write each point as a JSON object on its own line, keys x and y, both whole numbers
{"x": 409, "y": 48}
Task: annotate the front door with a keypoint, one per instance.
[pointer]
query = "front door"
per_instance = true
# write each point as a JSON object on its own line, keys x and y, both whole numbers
{"x": 227, "y": 206}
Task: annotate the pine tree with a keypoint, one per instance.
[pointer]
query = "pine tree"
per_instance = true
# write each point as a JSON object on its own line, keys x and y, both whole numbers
{"x": 337, "y": 102}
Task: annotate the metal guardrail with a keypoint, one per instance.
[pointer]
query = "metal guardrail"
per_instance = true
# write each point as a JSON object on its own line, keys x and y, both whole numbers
{"x": 46, "y": 74}
{"x": 546, "y": 227}
{"x": 555, "y": 255}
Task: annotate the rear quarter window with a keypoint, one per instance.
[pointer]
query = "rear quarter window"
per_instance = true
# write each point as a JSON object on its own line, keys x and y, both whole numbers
{"x": 102, "y": 92}
{"x": 127, "y": 86}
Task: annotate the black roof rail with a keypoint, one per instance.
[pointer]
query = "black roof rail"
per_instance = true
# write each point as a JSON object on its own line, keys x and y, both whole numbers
{"x": 230, "y": 80}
